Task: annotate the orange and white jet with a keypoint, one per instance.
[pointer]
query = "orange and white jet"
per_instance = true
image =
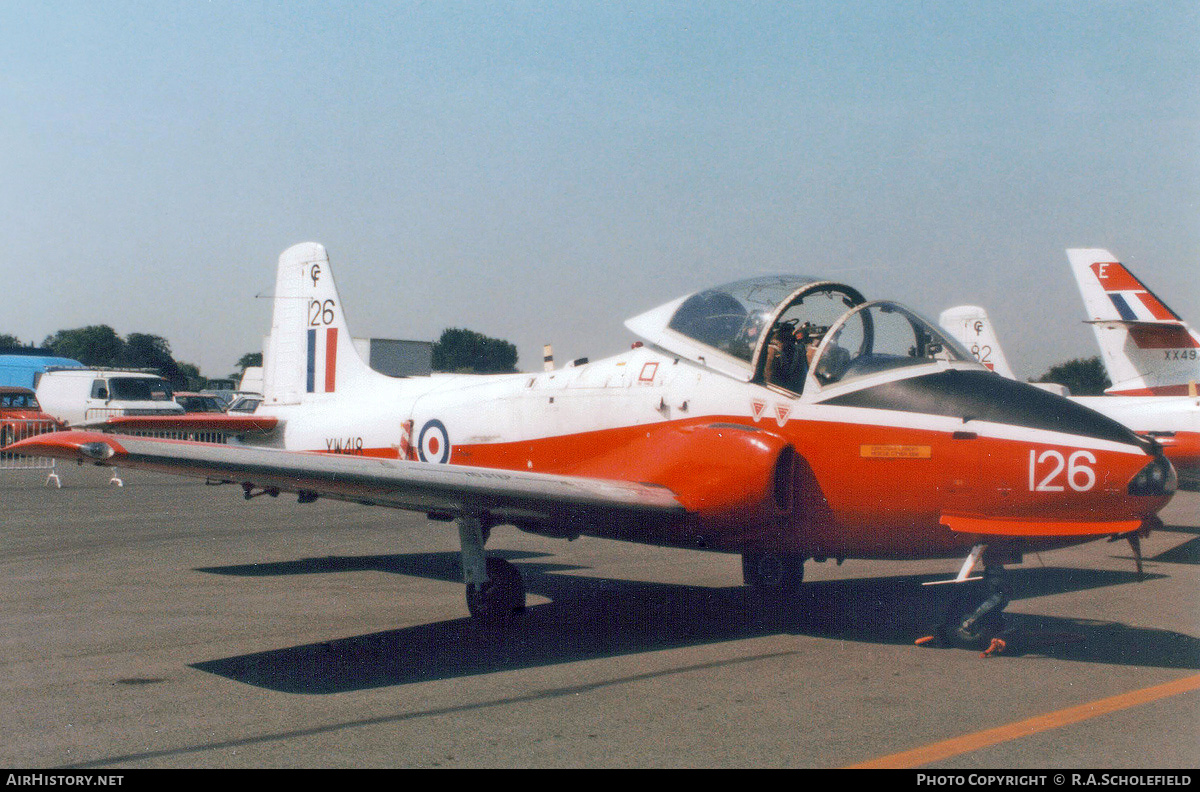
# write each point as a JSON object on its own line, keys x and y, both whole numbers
{"x": 1147, "y": 349}
{"x": 780, "y": 418}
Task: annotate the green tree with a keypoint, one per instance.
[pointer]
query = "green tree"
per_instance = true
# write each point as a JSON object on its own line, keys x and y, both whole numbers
{"x": 7, "y": 340}
{"x": 1083, "y": 376}
{"x": 142, "y": 350}
{"x": 190, "y": 377}
{"x": 249, "y": 359}
{"x": 467, "y": 352}
{"x": 146, "y": 351}
{"x": 95, "y": 345}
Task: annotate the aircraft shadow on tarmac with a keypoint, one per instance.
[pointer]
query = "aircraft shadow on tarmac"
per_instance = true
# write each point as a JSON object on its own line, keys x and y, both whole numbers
{"x": 1186, "y": 553}
{"x": 589, "y": 618}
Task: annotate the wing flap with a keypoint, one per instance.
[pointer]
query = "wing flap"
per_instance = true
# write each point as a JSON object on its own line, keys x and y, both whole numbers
{"x": 417, "y": 486}
{"x": 1003, "y": 526}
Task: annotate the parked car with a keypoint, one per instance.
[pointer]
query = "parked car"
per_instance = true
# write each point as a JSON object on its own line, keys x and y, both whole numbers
{"x": 199, "y": 402}
{"x": 247, "y": 403}
{"x": 21, "y": 416}
{"x": 225, "y": 397}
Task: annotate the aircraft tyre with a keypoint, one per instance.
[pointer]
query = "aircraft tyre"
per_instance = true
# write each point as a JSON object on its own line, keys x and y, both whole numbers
{"x": 773, "y": 572}
{"x": 978, "y": 629}
{"x": 501, "y": 597}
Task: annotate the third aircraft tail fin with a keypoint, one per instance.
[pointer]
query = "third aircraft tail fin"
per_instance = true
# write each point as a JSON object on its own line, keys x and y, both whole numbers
{"x": 1147, "y": 349}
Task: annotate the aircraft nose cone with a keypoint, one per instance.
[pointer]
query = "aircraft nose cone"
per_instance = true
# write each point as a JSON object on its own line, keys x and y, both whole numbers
{"x": 1157, "y": 478}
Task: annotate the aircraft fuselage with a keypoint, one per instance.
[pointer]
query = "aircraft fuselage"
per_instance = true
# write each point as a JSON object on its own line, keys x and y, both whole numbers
{"x": 862, "y": 480}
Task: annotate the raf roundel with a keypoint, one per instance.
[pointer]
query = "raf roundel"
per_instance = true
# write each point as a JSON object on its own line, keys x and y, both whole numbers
{"x": 433, "y": 445}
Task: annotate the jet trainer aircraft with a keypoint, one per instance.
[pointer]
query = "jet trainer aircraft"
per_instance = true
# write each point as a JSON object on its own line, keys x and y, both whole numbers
{"x": 781, "y": 418}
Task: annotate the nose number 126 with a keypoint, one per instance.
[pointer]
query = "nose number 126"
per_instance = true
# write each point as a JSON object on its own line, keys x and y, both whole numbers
{"x": 1049, "y": 470}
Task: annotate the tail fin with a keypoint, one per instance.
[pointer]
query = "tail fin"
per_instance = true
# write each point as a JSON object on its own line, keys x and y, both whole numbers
{"x": 1146, "y": 347}
{"x": 969, "y": 324}
{"x": 309, "y": 354}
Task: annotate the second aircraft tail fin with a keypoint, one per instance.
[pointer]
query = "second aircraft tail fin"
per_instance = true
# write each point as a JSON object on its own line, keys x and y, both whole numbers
{"x": 970, "y": 325}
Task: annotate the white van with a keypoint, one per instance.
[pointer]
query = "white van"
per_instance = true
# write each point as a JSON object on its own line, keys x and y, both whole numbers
{"x": 84, "y": 396}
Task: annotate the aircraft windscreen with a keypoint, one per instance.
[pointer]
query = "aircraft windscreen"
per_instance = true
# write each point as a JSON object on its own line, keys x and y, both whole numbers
{"x": 880, "y": 337}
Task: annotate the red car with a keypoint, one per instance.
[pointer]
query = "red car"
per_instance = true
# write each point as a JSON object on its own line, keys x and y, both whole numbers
{"x": 21, "y": 416}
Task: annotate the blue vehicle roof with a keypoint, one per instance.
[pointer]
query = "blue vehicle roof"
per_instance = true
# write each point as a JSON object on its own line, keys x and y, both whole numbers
{"x": 22, "y": 370}
{"x": 38, "y": 361}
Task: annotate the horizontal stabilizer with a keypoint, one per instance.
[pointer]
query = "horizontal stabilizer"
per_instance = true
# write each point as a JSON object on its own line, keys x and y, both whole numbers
{"x": 1032, "y": 529}
{"x": 1145, "y": 346}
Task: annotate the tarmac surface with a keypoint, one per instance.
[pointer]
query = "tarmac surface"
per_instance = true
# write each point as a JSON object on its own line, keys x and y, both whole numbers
{"x": 166, "y": 623}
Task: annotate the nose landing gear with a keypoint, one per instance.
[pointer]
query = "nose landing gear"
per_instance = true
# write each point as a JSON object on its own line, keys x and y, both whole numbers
{"x": 986, "y": 622}
{"x": 979, "y": 627}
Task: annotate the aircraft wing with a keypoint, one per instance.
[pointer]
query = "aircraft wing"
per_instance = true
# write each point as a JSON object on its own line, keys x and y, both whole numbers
{"x": 190, "y": 423}
{"x": 436, "y": 489}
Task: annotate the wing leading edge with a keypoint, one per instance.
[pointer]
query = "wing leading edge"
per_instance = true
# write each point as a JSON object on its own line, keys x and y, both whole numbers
{"x": 445, "y": 490}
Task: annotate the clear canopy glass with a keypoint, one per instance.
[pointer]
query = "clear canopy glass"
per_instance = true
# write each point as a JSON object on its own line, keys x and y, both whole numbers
{"x": 883, "y": 336}
{"x": 733, "y": 318}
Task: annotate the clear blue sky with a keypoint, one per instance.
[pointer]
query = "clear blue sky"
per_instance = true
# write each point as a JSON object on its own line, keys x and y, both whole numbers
{"x": 542, "y": 171}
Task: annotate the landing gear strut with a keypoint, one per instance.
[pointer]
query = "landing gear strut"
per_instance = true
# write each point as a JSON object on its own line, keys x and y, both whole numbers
{"x": 495, "y": 590}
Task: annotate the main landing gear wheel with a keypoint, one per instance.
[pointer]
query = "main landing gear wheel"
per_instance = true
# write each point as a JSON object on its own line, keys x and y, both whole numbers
{"x": 501, "y": 597}
{"x": 774, "y": 580}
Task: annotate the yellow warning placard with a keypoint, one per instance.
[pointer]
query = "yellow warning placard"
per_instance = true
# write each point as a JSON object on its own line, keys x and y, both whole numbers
{"x": 895, "y": 451}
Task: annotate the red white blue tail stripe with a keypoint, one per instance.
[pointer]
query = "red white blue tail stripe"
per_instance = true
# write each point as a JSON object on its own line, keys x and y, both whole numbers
{"x": 321, "y": 356}
{"x": 1133, "y": 301}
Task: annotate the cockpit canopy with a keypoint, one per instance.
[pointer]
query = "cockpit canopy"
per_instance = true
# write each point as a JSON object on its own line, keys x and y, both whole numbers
{"x": 776, "y": 329}
{"x": 883, "y": 336}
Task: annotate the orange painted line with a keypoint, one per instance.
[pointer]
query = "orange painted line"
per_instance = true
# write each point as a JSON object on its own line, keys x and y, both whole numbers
{"x": 1052, "y": 720}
